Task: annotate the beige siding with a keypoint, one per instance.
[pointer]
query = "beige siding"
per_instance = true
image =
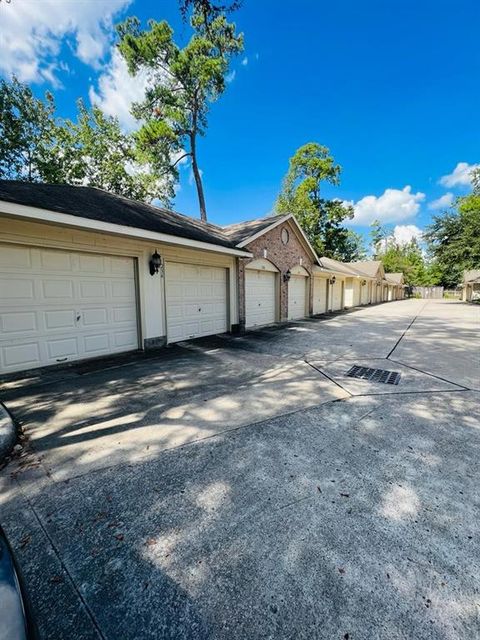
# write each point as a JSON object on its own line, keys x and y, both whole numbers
{"x": 151, "y": 291}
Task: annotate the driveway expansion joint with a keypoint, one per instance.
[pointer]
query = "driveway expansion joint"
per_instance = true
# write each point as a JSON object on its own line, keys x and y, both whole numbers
{"x": 65, "y": 570}
{"x": 406, "y": 331}
{"x": 433, "y": 375}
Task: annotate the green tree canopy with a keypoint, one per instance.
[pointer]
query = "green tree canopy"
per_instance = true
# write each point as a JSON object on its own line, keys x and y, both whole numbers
{"x": 320, "y": 218}
{"x": 182, "y": 83}
{"x": 454, "y": 237}
{"x": 36, "y": 145}
{"x": 28, "y": 133}
{"x": 99, "y": 154}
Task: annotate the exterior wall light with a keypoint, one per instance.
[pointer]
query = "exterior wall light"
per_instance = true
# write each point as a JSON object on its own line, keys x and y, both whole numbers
{"x": 332, "y": 280}
{"x": 287, "y": 276}
{"x": 155, "y": 263}
{"x": 363, "y": 283}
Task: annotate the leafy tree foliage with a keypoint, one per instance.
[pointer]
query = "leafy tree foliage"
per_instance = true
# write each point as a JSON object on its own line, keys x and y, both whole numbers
{"x": 320, "y": 218}
{"x": 99, "y": 154}
{"x": 182, "y": 83}
{"x": 454, "y": 237}
{"x": 407, "y": 258}
{"x": 378, "y": 235}
{"x": 35, "y": 145}
{"x": 352, "y": 247}
{"x": 208, "y": 9}
{"x": 28, "y": 132}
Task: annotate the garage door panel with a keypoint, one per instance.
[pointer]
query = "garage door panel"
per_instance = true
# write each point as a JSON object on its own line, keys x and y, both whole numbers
{"x": 16, "y": 289}
{"x": 124, "y": 314}
{"x": 260, "y": 298}
{"x": 196, "y": 300}
{"x": 54, "y": 316}
{"x": 92, "y": 317}
{"x": 123, "y": 289}
{"x": 92, "y": 264}
{"x": 18, "y": 322}
{"x": 124, "y": 339}
{"x": 96, "y": 343}
{"x": 120, "y": 266}
{"x": 56, "y": 260}
{"x": 18, "y": 355}
{"x": 319, "y": 295}
{"x": 54, "y": 289}
{"x": 59, "y": 319}
{"x": 62, "y": 347}
{"x": 93, "y": 290}
{"x": 337, "y": 296}
{"x": 297, "y": 297}
{"x": 14, "y": 256}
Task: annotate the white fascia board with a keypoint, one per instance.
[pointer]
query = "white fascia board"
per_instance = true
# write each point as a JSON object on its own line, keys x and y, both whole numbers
{"x": 34, "y": 214}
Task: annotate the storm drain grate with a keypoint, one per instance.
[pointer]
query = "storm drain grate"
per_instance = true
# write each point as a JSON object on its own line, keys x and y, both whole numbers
{"x": 374, "y": 375}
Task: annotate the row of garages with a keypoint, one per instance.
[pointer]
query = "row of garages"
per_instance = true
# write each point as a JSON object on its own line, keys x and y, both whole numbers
{"x": 85, "y": 274}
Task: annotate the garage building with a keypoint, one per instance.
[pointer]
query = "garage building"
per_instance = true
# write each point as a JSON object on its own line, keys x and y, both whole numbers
{"x": 84, "y": 273}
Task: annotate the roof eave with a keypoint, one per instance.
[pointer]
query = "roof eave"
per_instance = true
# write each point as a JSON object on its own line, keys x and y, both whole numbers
{"x": 36, "y": 214}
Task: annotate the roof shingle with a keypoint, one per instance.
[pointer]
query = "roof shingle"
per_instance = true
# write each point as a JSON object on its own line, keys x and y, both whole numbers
{"x": 96, "y": 204}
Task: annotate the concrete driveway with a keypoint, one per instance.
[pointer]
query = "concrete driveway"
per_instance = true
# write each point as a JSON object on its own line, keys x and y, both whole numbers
{"x": 246, "y": 488}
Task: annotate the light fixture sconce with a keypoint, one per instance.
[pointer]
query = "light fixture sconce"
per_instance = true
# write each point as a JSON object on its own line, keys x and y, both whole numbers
{"x": 155, "y": 263}
{"x": 363, "y": 283}
{"x": 287, "y": 276}
{"x": 332, "y": 280}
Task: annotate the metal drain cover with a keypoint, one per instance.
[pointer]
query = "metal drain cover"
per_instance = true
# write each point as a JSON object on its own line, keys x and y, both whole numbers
{"x": 374, "y": 375}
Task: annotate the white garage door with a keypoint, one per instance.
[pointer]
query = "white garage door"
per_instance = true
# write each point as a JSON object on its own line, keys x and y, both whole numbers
{"x": 58, "y": 306}
{"x": 319, "y": 295}
{"x": 297, "y": 297}
{"x": 337, "y": 295}
{"x": 260, "y": 298}
{"x": 364, "y": 293}
{"x": 356, "y": 292}
{"x": 196, "y": 300}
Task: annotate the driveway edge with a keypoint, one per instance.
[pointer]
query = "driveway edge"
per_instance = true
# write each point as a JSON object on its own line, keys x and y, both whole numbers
{"x": 8, "y": 434}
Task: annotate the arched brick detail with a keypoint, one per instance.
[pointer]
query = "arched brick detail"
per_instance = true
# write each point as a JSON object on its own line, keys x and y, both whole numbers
{"x": 283, "y": 257}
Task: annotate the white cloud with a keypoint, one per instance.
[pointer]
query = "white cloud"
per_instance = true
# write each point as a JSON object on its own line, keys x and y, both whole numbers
{"x": 444, "y": 202}
{"x": 461, "y": 176}
{"x": 32, "y": 34}
{"x": 117, "y": 89}
{"x": 245, "y": 61}
{"x": 405, "y": 233}
{"x": 230, "y": 77}
{"x": 394, "y": 205}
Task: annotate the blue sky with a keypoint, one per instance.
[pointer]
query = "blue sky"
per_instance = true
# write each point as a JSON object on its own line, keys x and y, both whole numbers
{"x": 390, "y": 87}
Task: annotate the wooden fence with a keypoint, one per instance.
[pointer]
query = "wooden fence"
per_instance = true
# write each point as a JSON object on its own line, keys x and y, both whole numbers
{"x": 427, "y": 292}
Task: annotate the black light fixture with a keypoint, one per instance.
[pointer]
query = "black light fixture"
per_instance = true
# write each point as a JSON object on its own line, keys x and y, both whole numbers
{"x": 363, "y": 283}
{"x": 155, "y": 263}
{"x": 332, "y": 280}
{"x": 287, "y": 275}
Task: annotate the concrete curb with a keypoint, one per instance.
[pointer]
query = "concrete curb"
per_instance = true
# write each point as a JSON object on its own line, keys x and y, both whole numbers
{"x": 8, "y": 434}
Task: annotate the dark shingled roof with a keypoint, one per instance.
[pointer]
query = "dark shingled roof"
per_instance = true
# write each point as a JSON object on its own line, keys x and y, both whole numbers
{"x": 96, "y": 204}
{"x": 243, "y": 230}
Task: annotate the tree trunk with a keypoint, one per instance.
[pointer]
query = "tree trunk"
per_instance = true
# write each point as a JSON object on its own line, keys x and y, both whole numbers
{"x": 198, "y": 178}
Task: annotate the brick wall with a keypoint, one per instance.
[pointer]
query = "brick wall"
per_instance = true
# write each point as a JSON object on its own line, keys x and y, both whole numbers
{"x": 282, "y": 256}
